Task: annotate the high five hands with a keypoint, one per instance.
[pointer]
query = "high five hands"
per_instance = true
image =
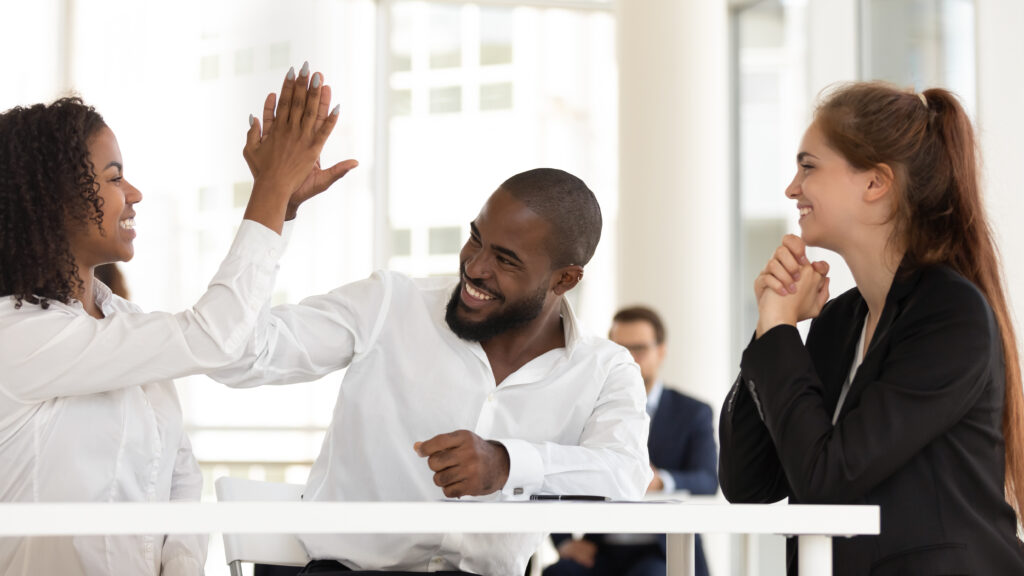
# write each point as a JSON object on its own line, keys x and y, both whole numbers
{"x": 303, "y": 110}
{"x": 465, "y": 464}
{"x": 791, "y": 288}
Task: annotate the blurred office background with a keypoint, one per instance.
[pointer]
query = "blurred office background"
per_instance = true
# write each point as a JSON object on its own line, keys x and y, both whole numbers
{"x": 682, "y": 115}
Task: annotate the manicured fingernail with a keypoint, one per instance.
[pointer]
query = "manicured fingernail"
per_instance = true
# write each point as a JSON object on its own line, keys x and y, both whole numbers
{"x": 305, "y": 70}
{"x": 336, "y": 109}
{"x": 804, "y": 260}
{"x": 792, "y": 288}
{"x": 796, "y": 275}
{"x": 251, "y": 120}
{"x": 316, "y": 80}
{"x": 291, "y": 74}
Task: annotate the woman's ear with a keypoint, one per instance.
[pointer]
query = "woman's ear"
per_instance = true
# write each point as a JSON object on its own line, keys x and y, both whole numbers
{"x": 881, "y": 182}
{"x": 567, "y": 278}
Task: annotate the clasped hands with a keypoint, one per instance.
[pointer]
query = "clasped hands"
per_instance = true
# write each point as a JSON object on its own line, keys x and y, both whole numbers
{"x": 465, "y": 464}
{"x": 790, "y": 288}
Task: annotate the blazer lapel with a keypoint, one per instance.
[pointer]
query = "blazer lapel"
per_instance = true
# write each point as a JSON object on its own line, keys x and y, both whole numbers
{"x": 896, "y": 302}
{"x": 660, "y": 422}
{"x": 842, "y": 357}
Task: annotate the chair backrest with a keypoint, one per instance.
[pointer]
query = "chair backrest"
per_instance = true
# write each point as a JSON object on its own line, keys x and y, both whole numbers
{"x": 282, "y": 549}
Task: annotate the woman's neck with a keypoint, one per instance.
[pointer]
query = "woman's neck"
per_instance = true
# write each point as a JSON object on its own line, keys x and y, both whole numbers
{"x": 86, "y": 295}
{"x": 874, "y": 266}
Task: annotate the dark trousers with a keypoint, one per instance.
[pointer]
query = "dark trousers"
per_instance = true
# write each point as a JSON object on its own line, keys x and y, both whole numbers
{"x": 625, "y": 560}
{"x": 333, "y": 568}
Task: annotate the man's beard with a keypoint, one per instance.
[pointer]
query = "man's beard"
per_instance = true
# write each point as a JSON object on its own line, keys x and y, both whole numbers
{"x": 516, "y": 314}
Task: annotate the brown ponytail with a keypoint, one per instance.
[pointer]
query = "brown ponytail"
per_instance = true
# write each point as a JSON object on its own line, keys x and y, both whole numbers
{"x": 928, "y": 142}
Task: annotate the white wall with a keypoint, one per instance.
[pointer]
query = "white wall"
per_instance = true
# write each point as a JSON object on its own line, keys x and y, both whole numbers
{"x": 1000, "y": 34}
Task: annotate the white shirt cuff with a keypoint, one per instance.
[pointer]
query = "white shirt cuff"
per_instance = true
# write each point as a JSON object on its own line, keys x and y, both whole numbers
{"x": 257, "y": 242}
{"x": 668, "y": 483}
{"x": 525, "y": 469}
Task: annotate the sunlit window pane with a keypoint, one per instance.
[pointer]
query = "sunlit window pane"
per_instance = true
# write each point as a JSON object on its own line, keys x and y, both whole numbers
{"x": 445, "y": 33}
{"x": 445, "y": 100}
{"x": 496, "y": 96}
{"x": 497, "y": 30}
{"x": 446, "y": 240}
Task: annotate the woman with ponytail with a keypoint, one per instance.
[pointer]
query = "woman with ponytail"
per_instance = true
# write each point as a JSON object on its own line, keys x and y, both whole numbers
{"x": 907, "y": 394}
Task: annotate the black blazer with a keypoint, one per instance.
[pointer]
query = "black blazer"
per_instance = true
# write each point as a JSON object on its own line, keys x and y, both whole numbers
{"x": 681, "y": 442}
{"x": 919, "y": 433}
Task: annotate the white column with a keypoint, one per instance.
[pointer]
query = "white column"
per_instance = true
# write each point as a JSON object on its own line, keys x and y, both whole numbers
{"x": 681, "y": 555}
{"x": 675, "y": 197}
{"x": 814, "y": 555}
{"x": 1000, "y": 125}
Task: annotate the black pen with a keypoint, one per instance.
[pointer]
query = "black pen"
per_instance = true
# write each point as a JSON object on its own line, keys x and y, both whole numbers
{"x": 583, "y": 497}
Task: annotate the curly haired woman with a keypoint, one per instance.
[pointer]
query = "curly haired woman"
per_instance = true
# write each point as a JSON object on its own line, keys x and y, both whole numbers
{"x": 87, "y": 408}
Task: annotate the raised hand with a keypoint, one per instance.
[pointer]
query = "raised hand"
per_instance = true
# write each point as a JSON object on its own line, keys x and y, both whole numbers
{"x": 318, "y": 179}
{"x": 465, "y": 464}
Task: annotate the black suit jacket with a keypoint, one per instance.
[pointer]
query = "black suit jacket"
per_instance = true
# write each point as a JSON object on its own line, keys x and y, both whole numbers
{"x": 682, "y": 442}
{"x": 919, "y": 433}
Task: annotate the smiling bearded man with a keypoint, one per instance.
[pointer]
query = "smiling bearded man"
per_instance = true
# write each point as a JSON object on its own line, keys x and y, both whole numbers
{"x": 485, "y": 387}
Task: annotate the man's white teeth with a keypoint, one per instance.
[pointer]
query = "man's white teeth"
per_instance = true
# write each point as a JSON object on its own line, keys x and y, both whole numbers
{"x": 805, "y": 211}
{"x": 476, "y": 293}
{"x": 128, "y": 223}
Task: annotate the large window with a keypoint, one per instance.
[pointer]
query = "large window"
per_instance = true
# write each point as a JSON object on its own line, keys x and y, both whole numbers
{"x": 479, "y": 92}
{"x": 781, "y": 67}
{"x": 440, "y": 102}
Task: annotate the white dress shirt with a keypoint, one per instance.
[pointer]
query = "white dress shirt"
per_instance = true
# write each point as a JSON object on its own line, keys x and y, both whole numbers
{"x": 88, "y": 411}
{"x": 572, "y": 419}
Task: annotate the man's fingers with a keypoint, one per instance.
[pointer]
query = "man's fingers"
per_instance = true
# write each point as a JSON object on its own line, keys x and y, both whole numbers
{"x": 338, "y": 170}
{"x": 456, "y": 489}
{"x": 821, "y": 267}
{"x": 441, "y": 442}
{"x": 442, "y": 460}
{"x": 449, "y": 476}
{"x": 268, "y": 113}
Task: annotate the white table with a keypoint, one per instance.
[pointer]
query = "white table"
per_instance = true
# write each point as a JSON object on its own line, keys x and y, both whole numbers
{"x": 815, "y": 525}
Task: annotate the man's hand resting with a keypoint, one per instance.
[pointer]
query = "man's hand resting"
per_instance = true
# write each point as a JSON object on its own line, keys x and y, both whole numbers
{"x": 465, "y": 464}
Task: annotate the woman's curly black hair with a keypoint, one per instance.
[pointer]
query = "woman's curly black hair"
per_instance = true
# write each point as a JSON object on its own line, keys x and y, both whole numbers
{"x": 47, "y": 184}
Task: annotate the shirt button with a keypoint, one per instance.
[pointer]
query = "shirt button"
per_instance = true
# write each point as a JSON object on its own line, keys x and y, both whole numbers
{"x": 490, "y": 397}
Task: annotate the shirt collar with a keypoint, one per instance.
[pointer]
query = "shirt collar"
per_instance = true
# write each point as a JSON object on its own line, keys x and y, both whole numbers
{"x": 570, "y": 324}
{"x": 103, "y": 296}
{"x": 654, "y": 397}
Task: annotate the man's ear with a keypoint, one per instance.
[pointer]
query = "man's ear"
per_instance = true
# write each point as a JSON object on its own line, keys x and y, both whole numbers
{"x": 880, "y": 184}
{"x": 566, "y": 278}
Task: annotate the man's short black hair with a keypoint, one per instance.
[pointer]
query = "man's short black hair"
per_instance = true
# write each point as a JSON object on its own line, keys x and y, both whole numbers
{"x": 642, "y": 314}
{"x": 568, "y": 205}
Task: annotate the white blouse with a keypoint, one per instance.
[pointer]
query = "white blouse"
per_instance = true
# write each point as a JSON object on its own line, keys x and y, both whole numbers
{"x": 88, "y": 411}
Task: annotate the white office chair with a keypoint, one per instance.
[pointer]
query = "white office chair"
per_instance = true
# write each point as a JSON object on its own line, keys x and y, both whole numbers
{"x": 282, "y": 549}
